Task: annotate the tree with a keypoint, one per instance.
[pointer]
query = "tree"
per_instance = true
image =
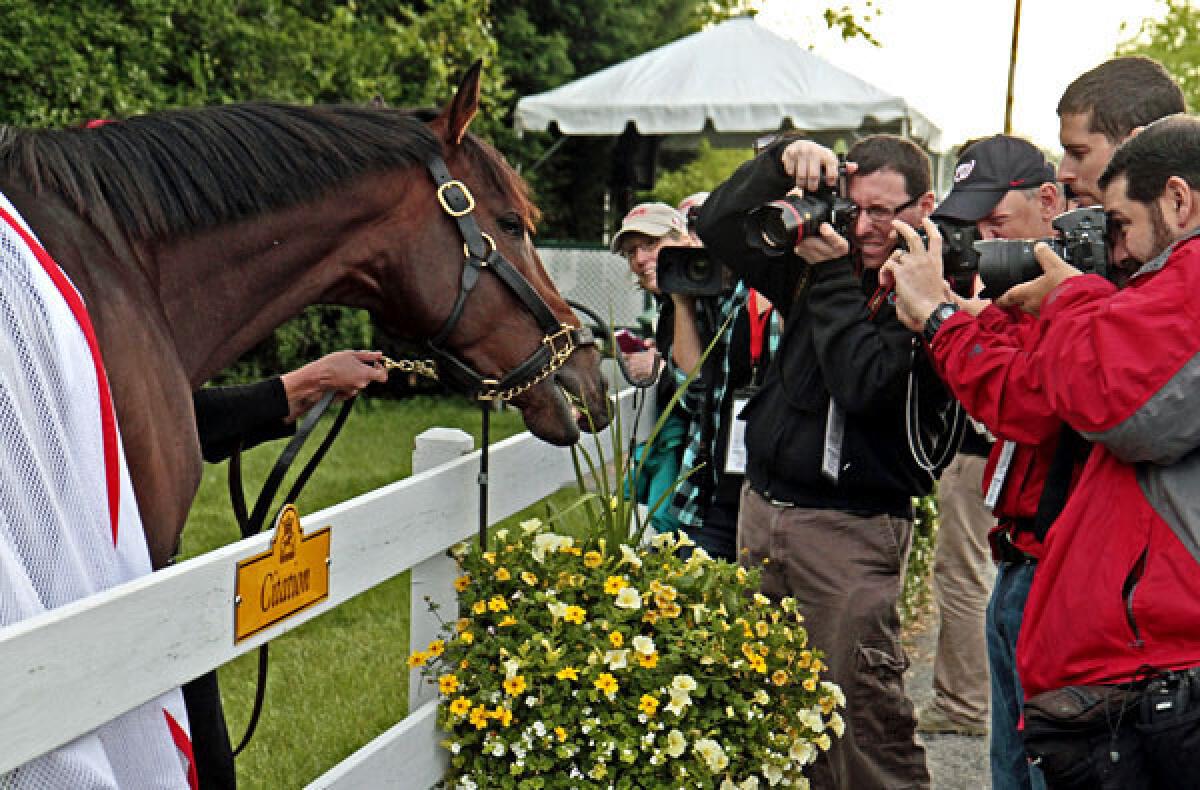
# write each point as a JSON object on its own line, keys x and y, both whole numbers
{"x": 1171, "y": 42}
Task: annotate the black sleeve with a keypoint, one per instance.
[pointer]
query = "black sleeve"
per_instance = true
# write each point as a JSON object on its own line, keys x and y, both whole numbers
{"x": 721, "y": 226}
{"x": 864, "y": 362}
{"x": 249, "y": 413}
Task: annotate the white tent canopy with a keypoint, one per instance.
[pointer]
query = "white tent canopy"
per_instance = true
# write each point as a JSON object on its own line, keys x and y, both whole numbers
{"x": 737, "y": 75}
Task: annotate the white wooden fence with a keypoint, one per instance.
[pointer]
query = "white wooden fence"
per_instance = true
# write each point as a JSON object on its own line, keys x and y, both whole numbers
{"x": 71, "y": 669}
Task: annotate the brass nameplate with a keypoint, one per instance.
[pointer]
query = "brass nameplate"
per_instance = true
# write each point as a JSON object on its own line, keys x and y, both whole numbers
{"x": 290, "y": 576}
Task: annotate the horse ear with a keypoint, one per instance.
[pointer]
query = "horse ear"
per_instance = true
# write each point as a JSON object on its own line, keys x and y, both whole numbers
{"x": 462, "y": 108}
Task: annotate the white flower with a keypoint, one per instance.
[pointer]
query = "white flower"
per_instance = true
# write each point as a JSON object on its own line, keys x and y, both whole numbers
{"x": 836, "y": 691}
{"x": 539, "y": 729}
{"x": 549, "y": 542}
{"x": 630, "y": 556}
{"x": 466, "y": 783}
{"x": 676, "y": 743}
{"x": 749, "y": 783}
{"x": 617, "y": 659}
{"x": 772, "y": 773}
{"x": 679, "y": 701}
{"x": 802, "y": 751}
{"x": 837, "y": 724}
{"x": 711, "y": 752}
{"x": 628, "y": 598}
{"x": 811, "y": 718}
{"x": 531, "y": 526}
{"x": 762, "y": 697}
{"x": 663, "y": 540}
{"x": 728, "y": 784}
{"x": 502, "y": 536}
{"x": 683, "y": 540}
{"x": 498, "y": 749}
{"x": 643, "y": 644}
{"x": 558, "y": 609}
{"x": 511, "y": 667}
{"x": 684, "y": 683}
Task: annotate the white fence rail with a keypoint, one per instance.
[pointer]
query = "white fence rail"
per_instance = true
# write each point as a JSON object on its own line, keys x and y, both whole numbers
{"x": 73, "y": 668}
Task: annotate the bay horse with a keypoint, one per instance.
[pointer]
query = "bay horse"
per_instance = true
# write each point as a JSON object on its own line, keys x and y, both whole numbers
{"x": 192, "y": 234}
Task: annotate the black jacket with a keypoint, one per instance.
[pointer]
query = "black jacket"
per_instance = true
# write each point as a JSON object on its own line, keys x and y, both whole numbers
{"x": 245, "y": 415}
{"x": 830, "y": 348}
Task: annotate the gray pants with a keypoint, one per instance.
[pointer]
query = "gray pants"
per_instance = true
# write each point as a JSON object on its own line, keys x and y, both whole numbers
{"x": 846, "y": 573}
{"x": 963, "y": 573}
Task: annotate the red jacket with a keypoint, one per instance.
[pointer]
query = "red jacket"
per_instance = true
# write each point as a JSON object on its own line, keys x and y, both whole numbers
{"x": 955, "y": 361}
{"x": 1118, "y": 588}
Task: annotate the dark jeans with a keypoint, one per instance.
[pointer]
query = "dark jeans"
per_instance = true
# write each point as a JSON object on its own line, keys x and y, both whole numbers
{"x": 1154, "y": 744}
{"x": 1006, "y": 608}
{"x": 718, "y": 534}
{"x": 846, "y": 572}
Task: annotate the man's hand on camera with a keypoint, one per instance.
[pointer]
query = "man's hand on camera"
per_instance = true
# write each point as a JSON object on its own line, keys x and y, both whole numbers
{"x": 916, "y": 275}
{"x": 804, "y": 161}
{"x": 1029, "y": 296}
{"x": 828, "y": 246}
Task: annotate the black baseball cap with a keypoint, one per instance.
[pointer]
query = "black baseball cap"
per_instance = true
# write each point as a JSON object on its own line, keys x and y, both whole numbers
{"x": 989, "y": 169}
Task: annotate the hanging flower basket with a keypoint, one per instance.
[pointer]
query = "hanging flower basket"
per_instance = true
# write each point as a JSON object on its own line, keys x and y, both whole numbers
{"x": 576, "y": 663}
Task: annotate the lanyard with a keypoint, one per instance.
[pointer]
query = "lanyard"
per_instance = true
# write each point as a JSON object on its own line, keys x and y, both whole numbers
{"x": 758, "y": 327}
{"x": 877, "y": 299}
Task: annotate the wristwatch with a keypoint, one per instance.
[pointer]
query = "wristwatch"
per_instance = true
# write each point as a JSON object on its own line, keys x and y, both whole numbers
{"x": 936, "y": 319}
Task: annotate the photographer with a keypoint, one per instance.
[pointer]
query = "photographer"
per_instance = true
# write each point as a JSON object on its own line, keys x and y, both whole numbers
{"x": 1112, "y": 699}
{"x": 1005, "y": 186}
{"x": 827, "y": 514}
{"x": 706, "y": 502}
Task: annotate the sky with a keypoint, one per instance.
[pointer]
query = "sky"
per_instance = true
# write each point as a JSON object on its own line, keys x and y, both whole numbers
{"x": 949, "y": 58}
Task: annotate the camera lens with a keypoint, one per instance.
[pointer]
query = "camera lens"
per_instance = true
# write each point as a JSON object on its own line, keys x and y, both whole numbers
{"x": 698, "y": 270}
{"x": 1004, "y": 263}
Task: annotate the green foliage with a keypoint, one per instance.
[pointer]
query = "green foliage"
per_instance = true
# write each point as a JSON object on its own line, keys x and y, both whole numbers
{"x": 915, "y": 598}
{"x": 710, "y": 167}
{"x": 1170, "y": 39}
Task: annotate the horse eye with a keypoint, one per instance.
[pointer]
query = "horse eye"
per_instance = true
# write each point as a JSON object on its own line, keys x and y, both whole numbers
{"x": 511, "y": 224}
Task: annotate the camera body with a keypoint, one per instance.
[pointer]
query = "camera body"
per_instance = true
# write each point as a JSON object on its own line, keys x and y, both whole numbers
{"x": 776, "y": 227}
{"x": 960, "y": 259}
{"x": 690, "y": 271}
{"x": 1004, "y": 263}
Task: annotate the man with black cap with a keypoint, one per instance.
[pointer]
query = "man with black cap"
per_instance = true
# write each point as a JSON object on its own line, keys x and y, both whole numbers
{"x": 1007, "y": 188}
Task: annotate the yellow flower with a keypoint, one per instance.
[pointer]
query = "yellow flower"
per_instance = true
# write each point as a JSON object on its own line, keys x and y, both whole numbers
{"x": 607, "y": 684}
{"x": 575, "y": 614}
{"x": 490, "y": 557}
{"x": 460, "y": 707}
{"x": 779, "y": 677}
{"x": 448, "y": 684}
{"x": 762, "y": 629}
{"x": 497, "y": 604}
{"x": 614, "y": 584}
{"x": 437, "y": 647}
{"x": 502, "y": 575}
{"x": 417, "y": 659}
{"x": 650, "y": 617}
{"x": 479, "y": 717}
{"x": 462, "y": 582}
{"x": 648, "y": 705}
{"x": 466, "y": 637}
{"x": 560, "y": 733}
{"x": 648, "y": 661}
{"x": 593, "y": 559}
{"x": 529, "y": 578}
{"x": 759, "y": 666}
{"x": 810, "y": 684}
{"x": 567, "y": 673}
{"x": 507, "y": 621}
{"x": 805, "y": 659}
{"x": 616, "y": 638}
{"x": 462, "y": 624}
{"x": 479, "y": 607}
{"x": 514, "y": 685}
{"x": 670, "y": 610}
{"x": 503, "y": 715}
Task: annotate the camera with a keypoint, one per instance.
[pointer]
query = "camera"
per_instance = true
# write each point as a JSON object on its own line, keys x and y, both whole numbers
{"x": 960, "y": 259}
{"x": 1004, "y": 263}
{"x": 776, "y": 227}
{"x": 690, "y": 271}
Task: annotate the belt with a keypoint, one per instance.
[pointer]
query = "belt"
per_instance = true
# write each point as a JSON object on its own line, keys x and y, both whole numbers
{"x": 1007, "y": 552}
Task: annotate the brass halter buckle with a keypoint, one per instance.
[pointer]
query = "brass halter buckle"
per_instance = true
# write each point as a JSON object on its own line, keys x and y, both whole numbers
{"x": 491, "y": 243}
{"x": 441, "y": 196}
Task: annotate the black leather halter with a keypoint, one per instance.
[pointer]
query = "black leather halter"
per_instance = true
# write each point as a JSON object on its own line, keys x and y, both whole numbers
{"x": 559, "y": 340}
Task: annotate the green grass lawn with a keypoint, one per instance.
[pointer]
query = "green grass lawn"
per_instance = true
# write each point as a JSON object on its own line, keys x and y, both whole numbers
{"x": 340, "y": 680}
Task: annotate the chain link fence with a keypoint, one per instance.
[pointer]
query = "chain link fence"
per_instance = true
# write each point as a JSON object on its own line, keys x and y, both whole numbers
{"x": 596, "y": 278}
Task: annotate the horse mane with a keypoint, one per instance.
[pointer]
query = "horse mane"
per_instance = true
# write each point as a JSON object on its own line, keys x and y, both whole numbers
{"x": 181, "y": 171}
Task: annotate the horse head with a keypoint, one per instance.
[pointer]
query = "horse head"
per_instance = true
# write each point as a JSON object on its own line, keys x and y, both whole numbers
{"x": 495, "y": 321}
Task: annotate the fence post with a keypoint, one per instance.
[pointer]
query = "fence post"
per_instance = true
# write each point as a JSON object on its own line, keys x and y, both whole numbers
{"x": 433, "y": 579}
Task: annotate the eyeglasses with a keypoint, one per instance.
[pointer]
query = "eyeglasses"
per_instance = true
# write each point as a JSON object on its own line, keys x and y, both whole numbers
{"x": 879, "y": 214}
